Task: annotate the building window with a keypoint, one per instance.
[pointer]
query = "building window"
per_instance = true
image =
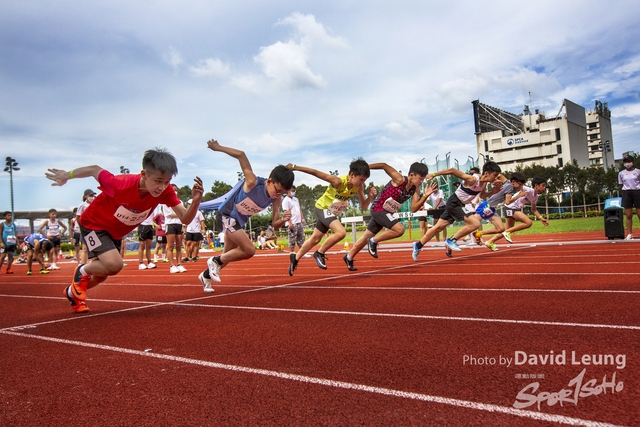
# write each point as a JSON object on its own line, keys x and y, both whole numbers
{"x": 593, "y": 136}
{"x": 559, "y": 162}
{"x": 486, "y": 145}
{"x": 557, "y": 134}
{"x": 559, "y": 147}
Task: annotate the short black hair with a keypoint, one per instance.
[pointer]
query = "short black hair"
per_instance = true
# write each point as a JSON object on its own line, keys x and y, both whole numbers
{"x": 519, "y": 177}
{"x": 419, "y": 168}
{"x": 46, "y": 245}
{"x": 359, "y": 167}
{"x": 490, "y": 167}
{"x": 283, "y": 176}
{"x": 6, "y": 213}
{"x": 159, "y": 160}
{"x": 537, "y": 181}
{"x": 474, "y": 169}
{"x": 52, "y": 210}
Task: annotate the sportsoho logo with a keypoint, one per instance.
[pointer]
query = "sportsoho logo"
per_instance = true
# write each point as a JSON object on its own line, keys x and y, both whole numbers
{"x": 514, "y": 141}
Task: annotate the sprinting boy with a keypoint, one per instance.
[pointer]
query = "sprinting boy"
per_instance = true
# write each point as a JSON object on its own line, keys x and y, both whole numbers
{"x": 472, "y": 186}
{"x": 513, "y": 209}
{"x": 333, "y": 202}
{"x": 386, "y": 203}
{"x": 497, "y": 199}
{"x": 37, "y": 245}
{"x": 252, "y": 197}
{"x": 125, "y": 201}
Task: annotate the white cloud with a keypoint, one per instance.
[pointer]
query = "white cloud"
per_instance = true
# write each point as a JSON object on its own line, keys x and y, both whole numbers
{"x": 210, "y": 67}
{"x": 173, "y": 58}
{"x": 405, "y": 128}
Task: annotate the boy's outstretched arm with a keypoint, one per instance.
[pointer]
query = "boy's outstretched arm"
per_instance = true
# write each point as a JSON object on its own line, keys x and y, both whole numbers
{"x": 451, "y": 171}
{"x": 60, "y": 176}
{"x": 249, "y": 176}
{"x": 395, "y": 176}
{"x": 335, "y": 181}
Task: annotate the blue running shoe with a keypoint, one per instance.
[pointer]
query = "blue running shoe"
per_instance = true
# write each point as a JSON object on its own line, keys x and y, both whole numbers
{"x": 452, "y": 245}
{"x": 415, "y": 252}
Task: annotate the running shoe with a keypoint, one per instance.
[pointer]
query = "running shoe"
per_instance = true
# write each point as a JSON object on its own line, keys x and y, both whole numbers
{"x": 142, "y": 266}
{"x": 452, "y": 245}
{"x": 349, "y": 263}
{"x": 165, "y": 260}
{"x": 478, "y": 236}
{"x": 181, "y": 269}
{"x": 9, "y": 271}
{"x": 372, "y": 246}
{"x": 79, "y": 284}
{"x": 29, "y": 273}
{"x": 415, "y": 252}
{"x": 507, "y": 236}
{"x": 44, "y": 271}
{"x": 293, "y": 263}
{"x": 150, "y": 266}
{"x": 320, "y": 260}
{"x": 214, "y": 269}
{"x": 77, "y": 305}
{"x": 491, "y": 246}
{"x": 54, "y": 267}
{"x": 173, "y": 269}
{"x": 448, "y": 252}
{"x": 206, "y": 283}
{"x": 185, "y": 259}
{"x": 629, "y": 237}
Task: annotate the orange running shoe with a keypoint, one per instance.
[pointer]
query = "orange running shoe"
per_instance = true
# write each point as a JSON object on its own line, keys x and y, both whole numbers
{"x": 79, "y": 284}
{"x": 77, "y": 305}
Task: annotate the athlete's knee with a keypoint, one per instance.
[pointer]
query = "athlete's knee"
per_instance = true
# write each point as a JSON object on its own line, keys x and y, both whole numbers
{"x": 249, "y": 251}
{"x": 112, "y": 267}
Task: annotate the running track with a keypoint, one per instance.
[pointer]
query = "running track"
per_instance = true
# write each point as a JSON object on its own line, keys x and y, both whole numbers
{"x": 385, "y": 345}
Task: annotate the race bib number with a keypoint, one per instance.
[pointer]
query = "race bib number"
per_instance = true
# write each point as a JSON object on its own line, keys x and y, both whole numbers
{"x": 159, "y": 239}
{"x": 337, "y": 207}
{"x": 509, "y": 212}
{"x": 248, "y": 207}
{"x": 391, "y": 205}
{"x": 127, "y": 217}
{"x": 92, "y": 241}
{"x": 11, "y": 240}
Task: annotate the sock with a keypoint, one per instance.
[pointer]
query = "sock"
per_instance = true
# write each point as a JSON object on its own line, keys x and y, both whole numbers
{"x": 82, "y": 272}
{"x": 69, "y": 292}
{"x": 218, "y": 260}
{"x": 372, "y": 239}
{"x": 349, "y": 257}
{"x": 453, "y": 239}
{"x": 206, "y": 274}
{"x": 419, "y": 245}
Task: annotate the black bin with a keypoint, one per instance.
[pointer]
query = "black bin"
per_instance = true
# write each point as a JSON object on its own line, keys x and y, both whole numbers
{"x": 613, "y": 218}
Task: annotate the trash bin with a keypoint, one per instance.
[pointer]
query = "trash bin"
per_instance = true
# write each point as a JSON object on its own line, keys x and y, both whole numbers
{"x": 613, "y": 223}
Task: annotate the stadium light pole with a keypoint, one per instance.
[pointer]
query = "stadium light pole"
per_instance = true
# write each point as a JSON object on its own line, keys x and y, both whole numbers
{"x": 12, "y": 165}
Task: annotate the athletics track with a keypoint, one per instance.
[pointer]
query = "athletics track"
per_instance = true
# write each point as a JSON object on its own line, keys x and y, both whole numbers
{"x": 397, "y": 343}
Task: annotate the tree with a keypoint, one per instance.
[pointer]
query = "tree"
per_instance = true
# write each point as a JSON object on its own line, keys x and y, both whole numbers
{"x": 218, "y": 189}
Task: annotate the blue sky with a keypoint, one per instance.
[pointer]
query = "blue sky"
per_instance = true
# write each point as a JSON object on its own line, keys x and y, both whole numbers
{"x": 307, "y": 82}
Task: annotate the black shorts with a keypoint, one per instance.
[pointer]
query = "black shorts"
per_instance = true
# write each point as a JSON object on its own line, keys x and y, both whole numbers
{"x": 174, "y": 229}
{"x": 325, "y": 218}
{"x": 380, "y": 220}
{"x": 509, "y": 212}
{"x": 77, "y": 238}
{"x": 161, "y": 239}
{"x": 99, "y": 242}
{"x": 194, "y": 237}
{"x": 631, "y": 199}
{"x": 145, "y": 232}
{"x": 454, "y": 210}
{"x": 55, "y": 241}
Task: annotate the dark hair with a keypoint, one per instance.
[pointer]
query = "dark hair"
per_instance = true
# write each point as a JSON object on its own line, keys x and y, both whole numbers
{"x": 359, "y": 167}
{"x": 474, "y": 169}
{"x": 490, "y": 167}
{"x": 283, "y": 176}
{"x": 52, "y": 210}
{"x": 75, "y": 210}
{"x": 6, "y": 213}
{"x": 537, "y": 181}
{"x": 159, "y": 160}
{"x": 46, "y": 245}
{"x": 518, "y": 176}
{"x": 419, "y": 168}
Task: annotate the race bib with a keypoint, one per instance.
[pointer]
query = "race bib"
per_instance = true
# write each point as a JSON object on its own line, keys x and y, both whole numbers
{"x": 485, "y": 211}
{"x": 391, "y": 205}
{"x": 248, "y": 207}
{"x": 127, "y": 217}
{"x": 159, "y": 239}
{"x": 337, "y": 207}
{"x": 229, "y": 224}
{"x": 92, "y": 241}
{"x": 509, "y": 212}
{"x": 11, "y": 239}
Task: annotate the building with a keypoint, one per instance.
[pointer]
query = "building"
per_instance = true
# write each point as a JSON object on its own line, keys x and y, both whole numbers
{"x": 573, "y": 134}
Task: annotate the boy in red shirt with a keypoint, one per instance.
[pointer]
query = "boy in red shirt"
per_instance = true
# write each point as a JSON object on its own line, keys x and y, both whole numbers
{"x": 125, "y": 201}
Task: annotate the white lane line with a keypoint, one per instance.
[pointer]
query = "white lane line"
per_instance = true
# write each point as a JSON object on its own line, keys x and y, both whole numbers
{"x": 332, "y": 383}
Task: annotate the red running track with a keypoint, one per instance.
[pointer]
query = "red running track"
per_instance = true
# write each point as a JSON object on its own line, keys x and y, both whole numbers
{"x": 395, "y": 343}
